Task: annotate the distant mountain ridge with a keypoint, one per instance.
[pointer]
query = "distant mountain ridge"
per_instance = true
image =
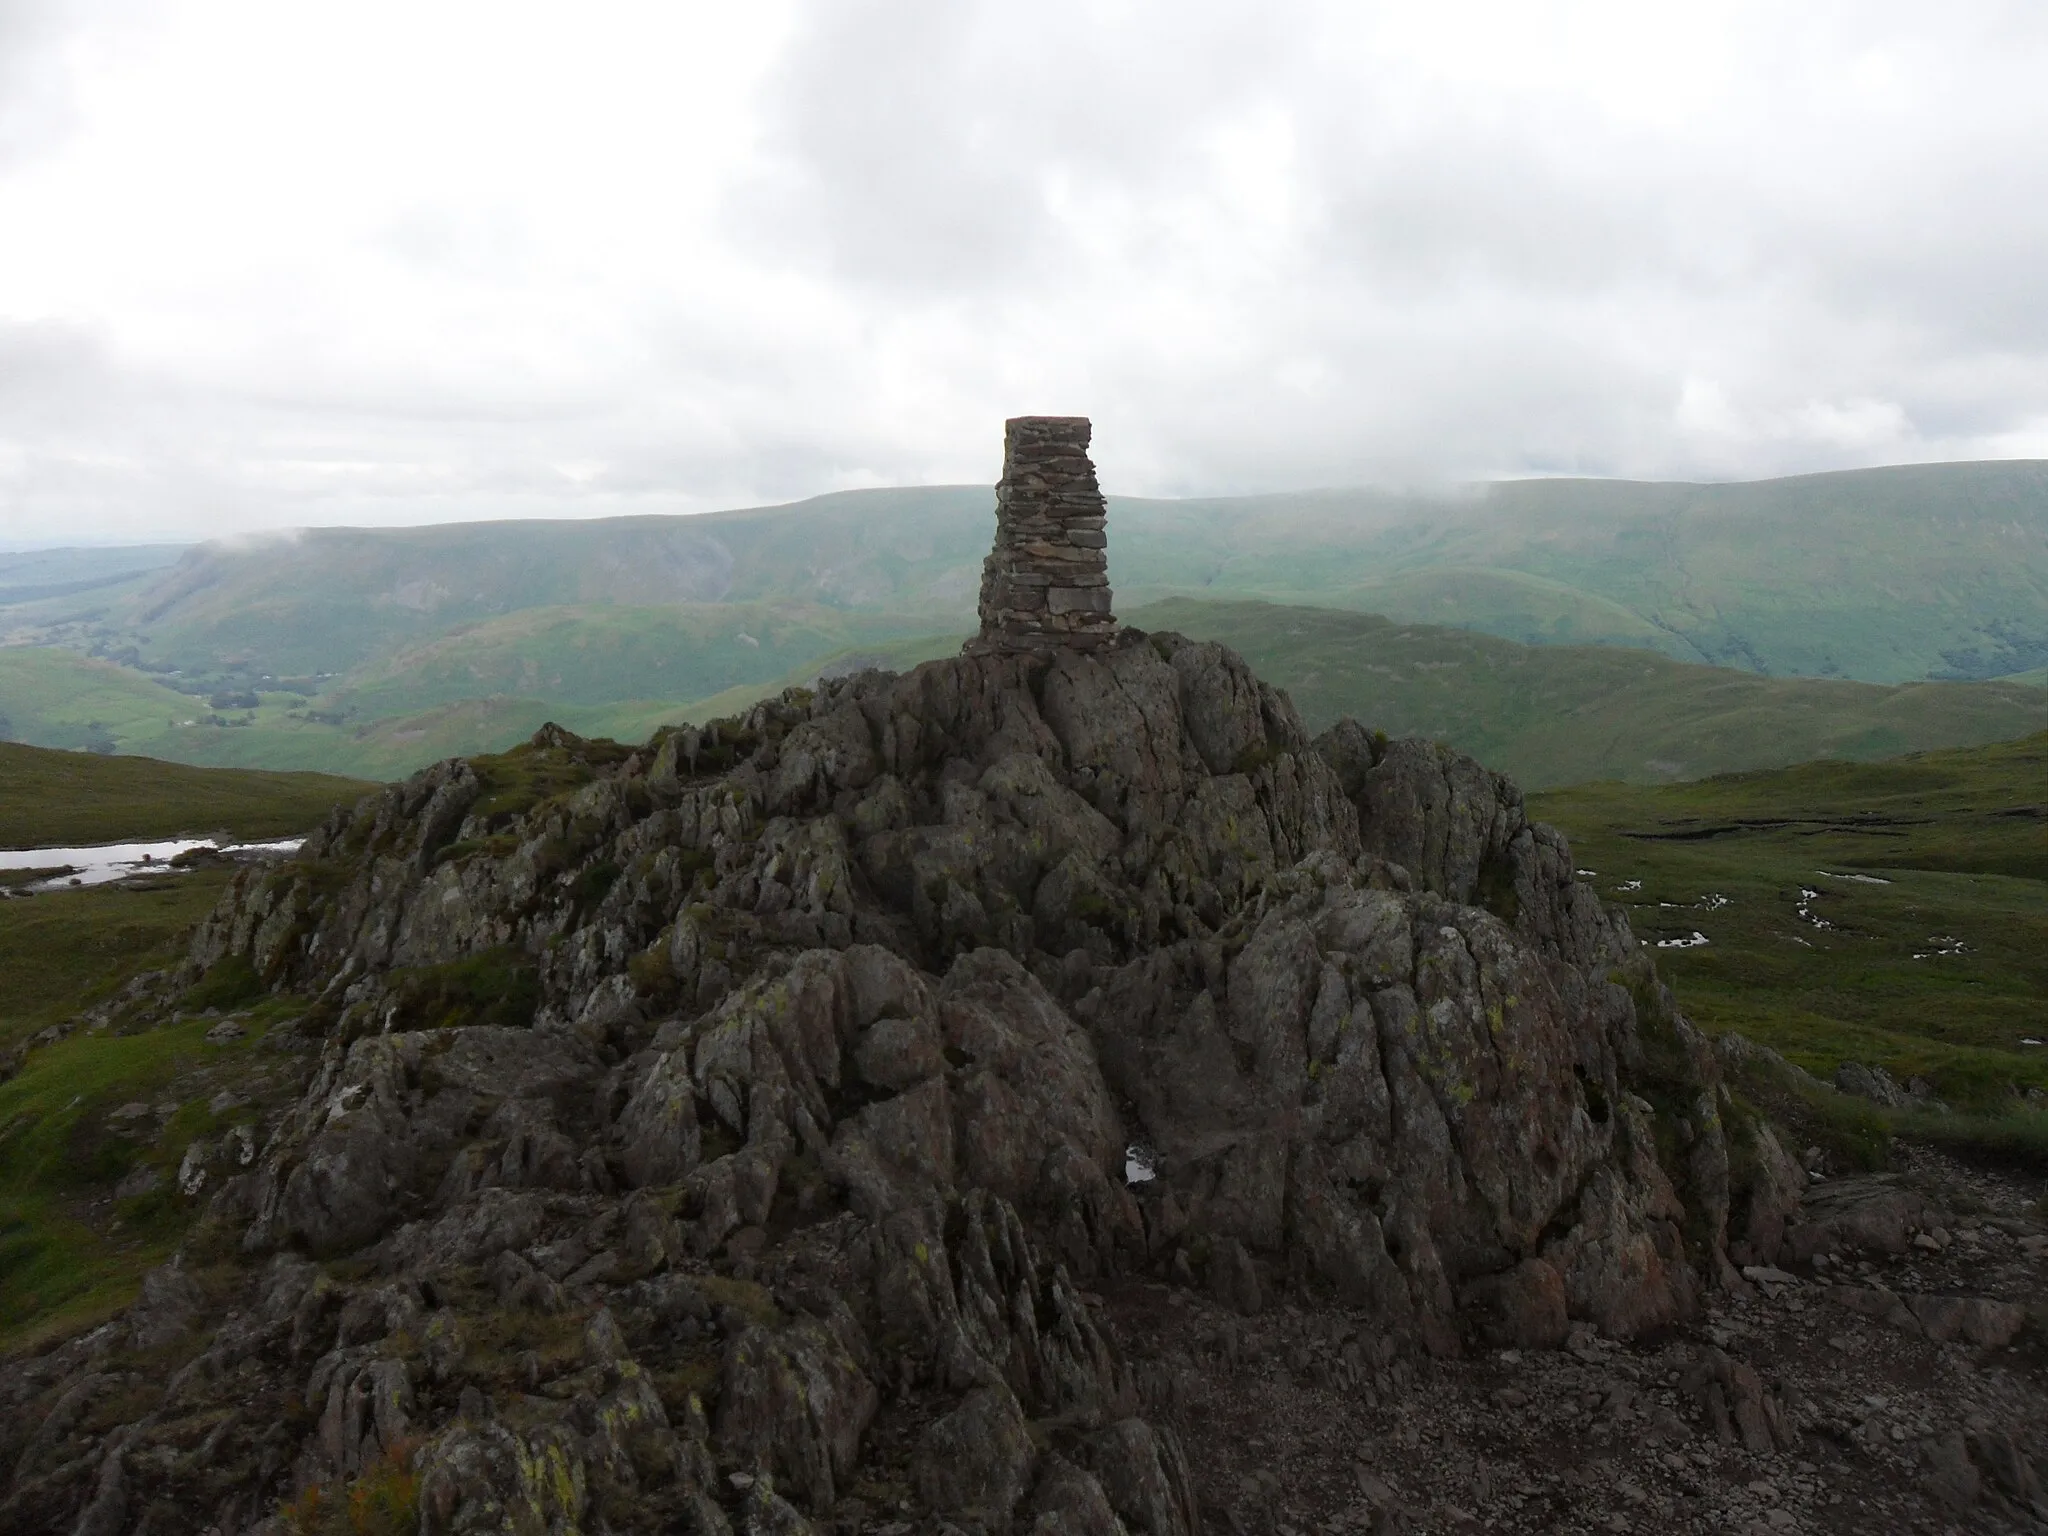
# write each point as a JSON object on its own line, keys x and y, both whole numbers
{"x": 1883, "y": 575}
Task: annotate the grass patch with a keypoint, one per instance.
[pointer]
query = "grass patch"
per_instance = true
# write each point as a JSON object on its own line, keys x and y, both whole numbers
{"x": 498, "y": 986}
{"x": 497, "y": 1343}
{"x": 61, "y": 951}
{"x": 2018, "y": 1136}
{"x": 515, "y": 782}
{"x": 751, "y": 1301}
{"x": 59, "y": 799}
{"x": 68, "y": 1247}
{"x": 70, "y": 1252}
{"x": 230, "y": 982}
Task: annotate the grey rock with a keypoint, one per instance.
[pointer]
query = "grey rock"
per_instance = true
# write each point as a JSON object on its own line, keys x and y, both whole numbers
{"x": 1142, "y": 1471}
{"x": 1738, "y": 1404}
{"x": 658, "y": 1137}
{"x": 170, "y": 1307}
{"x": 1070, "y": 1502}
{"x": 895, "y": 1054}
{"x": 974, "y": 1462}
{"x": 795, "y": 1405}
{"x": 1951, "y": 1476}
{"x": 1524, "y": 1307}
{"x": 1872, "y": 1083}
{"x": 1234, "y": 1279}
{"x": 2008, "y": 1469}
{"x": 1864, "y": 1214}
{"x": 1973, "y": 1319}
{"x": 767, "y": 1513}
{"x": 142, "y": 1179}
{"x": 1767, "y": 1202}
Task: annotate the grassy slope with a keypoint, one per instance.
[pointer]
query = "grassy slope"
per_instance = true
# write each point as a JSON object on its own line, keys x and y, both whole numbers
{"x": 333, "y": 600}
{"x": 57, "y": 698}
{"x": 1959, "y": 837}
{"x": 598, "y": 655}
{"x": 71, "y": 1249}
{"x": 65, "y": 798}
{"x": 888, "y": 656}
{"x": 1564, "y": 714}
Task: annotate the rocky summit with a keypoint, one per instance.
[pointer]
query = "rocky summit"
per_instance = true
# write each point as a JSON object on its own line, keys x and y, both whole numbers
{"x": 1046, "y": 1091}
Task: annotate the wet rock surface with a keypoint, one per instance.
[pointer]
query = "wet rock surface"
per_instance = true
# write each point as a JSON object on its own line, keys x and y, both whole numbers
{"x": 731, "y": 1134}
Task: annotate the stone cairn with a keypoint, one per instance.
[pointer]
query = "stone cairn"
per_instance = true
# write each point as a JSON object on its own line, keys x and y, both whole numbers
{"x": 1045, "y": 585}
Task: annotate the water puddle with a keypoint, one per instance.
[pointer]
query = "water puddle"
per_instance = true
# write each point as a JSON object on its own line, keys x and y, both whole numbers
{"x": 108, "y": 862}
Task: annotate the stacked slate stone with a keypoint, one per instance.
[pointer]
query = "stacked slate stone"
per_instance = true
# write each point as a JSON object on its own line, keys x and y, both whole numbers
{"x": 1046, "y": 583}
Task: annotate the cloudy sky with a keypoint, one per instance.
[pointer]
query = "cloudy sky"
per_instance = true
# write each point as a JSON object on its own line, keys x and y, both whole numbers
{"x": 270, "y": 264}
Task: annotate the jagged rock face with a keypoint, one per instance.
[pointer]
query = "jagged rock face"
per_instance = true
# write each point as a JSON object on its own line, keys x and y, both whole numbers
{"x": 791, "y": 1066}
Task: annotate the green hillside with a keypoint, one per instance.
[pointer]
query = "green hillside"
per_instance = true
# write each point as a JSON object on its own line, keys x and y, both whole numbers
{"x": 1893, "y": 913}
{"x": 323, "y": 602}
{"x": 1886, "y": 575}
{"x": 51, "y": 697}
{"x": 597, "y": 655}
{"x": 1566, "y": 714}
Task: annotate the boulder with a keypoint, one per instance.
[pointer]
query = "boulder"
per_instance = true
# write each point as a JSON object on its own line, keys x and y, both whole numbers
{"x": 974, "y": 1462}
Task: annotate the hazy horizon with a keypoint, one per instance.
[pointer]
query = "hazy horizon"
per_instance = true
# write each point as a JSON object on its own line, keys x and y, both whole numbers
{"x": 271, "y": 269}
{"x": 1447, "y": 492}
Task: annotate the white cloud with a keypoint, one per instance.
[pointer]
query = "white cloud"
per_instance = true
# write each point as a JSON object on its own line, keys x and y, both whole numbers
{"x": 268, "y": 266}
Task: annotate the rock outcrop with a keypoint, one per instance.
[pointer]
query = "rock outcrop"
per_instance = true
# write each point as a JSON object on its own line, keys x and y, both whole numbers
{"x": 733, "y": 1129}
